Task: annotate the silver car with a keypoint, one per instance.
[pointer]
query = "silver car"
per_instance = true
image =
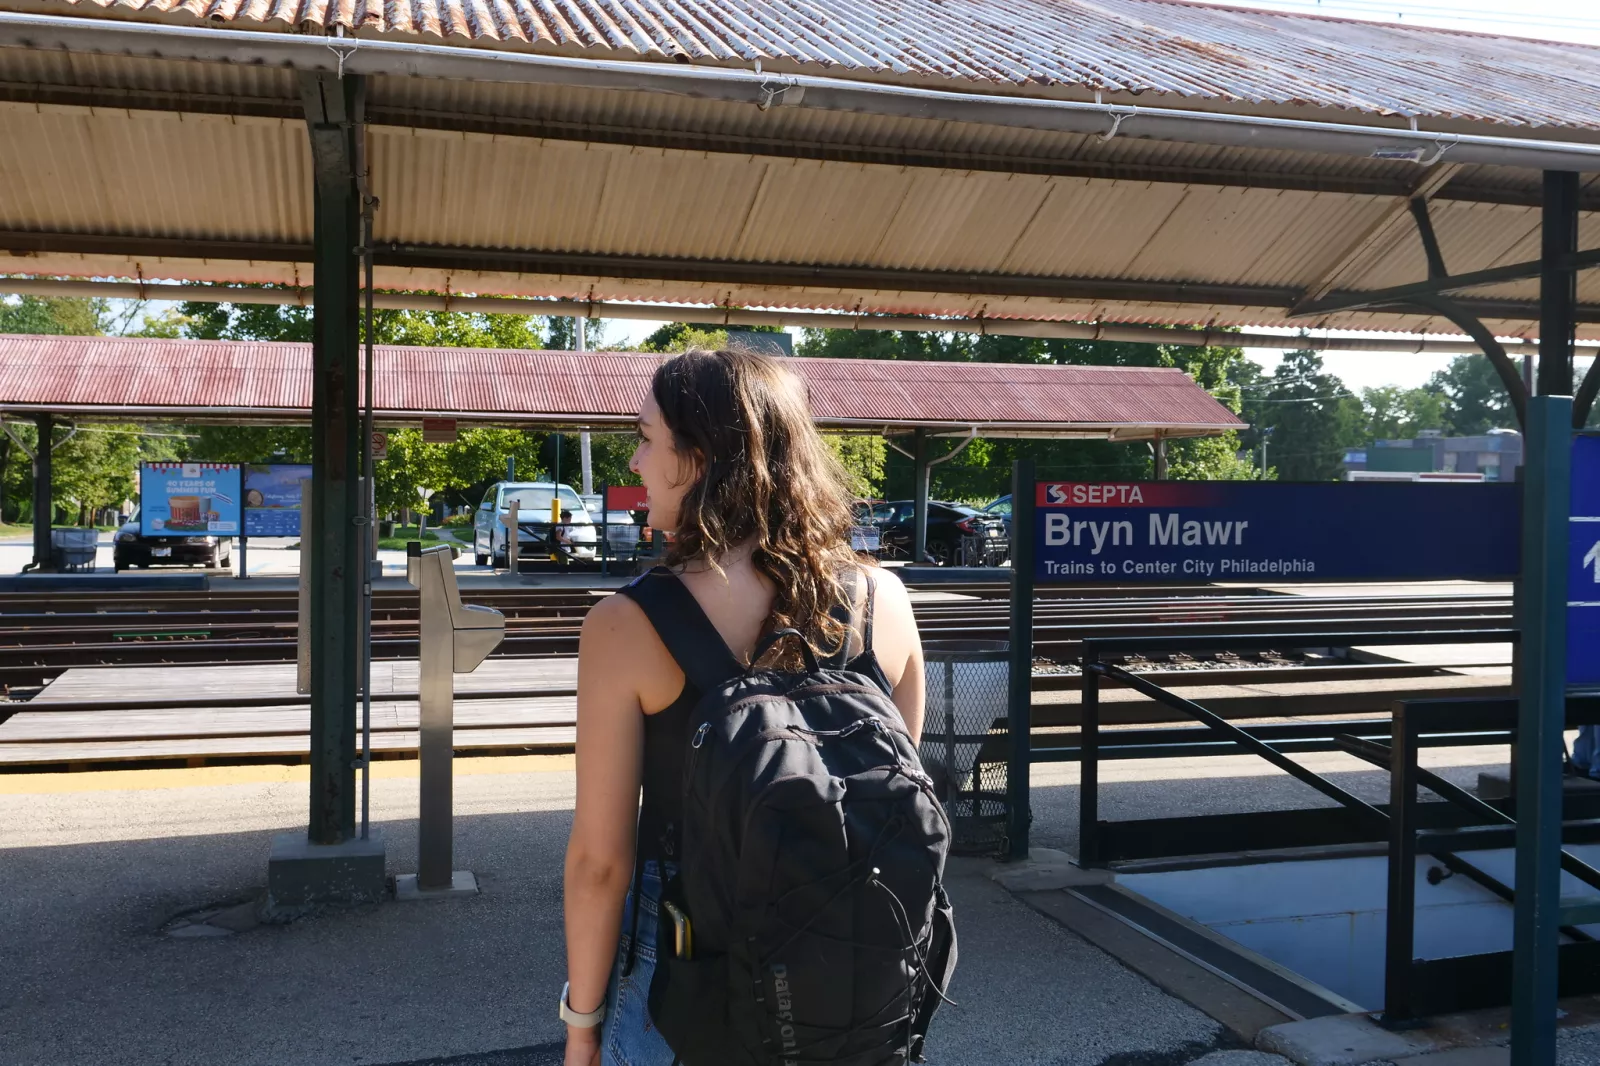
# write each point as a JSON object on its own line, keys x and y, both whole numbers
{"x": 534, "y": 500}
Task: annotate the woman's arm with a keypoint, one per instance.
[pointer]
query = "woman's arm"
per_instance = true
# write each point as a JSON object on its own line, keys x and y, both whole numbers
{"x": 610, "y": 760}
{"x": 899, "y": 648}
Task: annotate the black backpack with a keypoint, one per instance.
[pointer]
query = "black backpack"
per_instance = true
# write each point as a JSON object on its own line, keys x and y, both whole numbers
{"x": 811, "y": 859}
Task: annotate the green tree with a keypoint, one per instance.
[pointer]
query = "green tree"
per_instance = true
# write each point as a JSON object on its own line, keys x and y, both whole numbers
{"x": 1312, "y": 416}
{"x": 862, "y": 456}
{"x": 97, "y": 468}
{"x": 1395, "y": 413}
{"x": 1475, "y": 400}
{"x": 54, "y": 315}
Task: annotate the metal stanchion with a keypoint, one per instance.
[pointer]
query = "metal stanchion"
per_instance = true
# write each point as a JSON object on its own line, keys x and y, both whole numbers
{"x": 455, "y": 638}
{"x": 513, "y": 543}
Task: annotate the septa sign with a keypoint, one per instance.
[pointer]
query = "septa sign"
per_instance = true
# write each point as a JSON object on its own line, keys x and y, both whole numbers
{"x": 1274, "y": 531}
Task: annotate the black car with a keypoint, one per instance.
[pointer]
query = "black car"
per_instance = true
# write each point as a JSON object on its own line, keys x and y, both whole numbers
{"x": 957, "y": 534}
{"x": 133, "y": 548}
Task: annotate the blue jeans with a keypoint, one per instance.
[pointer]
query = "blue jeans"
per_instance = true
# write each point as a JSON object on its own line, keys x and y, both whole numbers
{"x": 628, "y": 1037}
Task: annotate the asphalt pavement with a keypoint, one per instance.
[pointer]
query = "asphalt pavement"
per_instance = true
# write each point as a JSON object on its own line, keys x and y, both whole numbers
{"x": 100, "y": 870}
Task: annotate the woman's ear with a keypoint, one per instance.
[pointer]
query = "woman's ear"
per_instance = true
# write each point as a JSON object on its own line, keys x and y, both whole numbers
{"x": 690, "y": 468}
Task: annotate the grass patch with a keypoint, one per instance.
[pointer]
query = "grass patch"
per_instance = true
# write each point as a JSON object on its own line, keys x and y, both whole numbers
{"x": 402, "y": 534}
{"x": 8, "y": 530}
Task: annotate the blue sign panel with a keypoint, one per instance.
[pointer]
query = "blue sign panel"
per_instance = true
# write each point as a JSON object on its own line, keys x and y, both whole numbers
{"x": 1583, "y": 565}
{"x": 1265, "y": 531}
{"x": 272, "y": 499}
{"x": 189, "y": 499}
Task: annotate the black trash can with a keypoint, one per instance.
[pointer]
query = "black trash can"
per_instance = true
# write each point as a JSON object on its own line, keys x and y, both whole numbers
{"x": 964, "y": 736}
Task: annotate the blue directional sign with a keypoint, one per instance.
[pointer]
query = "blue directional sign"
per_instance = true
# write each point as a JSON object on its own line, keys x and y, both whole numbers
{"x": 1583, "y": 565}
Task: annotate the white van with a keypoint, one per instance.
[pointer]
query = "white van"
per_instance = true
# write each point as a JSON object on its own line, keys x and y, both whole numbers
{"x": 533, "y": 521}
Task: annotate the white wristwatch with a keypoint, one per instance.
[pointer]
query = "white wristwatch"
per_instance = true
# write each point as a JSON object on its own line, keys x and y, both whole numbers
{"x": 576, "y": 1020}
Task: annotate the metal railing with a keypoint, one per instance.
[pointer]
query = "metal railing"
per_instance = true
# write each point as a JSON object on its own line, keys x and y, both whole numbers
{"x": 1417, "y": 987}
{"x": 1354, "y": 820}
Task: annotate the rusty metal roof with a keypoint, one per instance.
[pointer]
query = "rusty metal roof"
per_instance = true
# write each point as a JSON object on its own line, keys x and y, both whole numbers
{"x": 1189, "y": 51}
{"x": 260, "y": 381}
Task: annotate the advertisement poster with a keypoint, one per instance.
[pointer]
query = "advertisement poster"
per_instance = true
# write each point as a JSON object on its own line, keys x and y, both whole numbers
{"x": 189, "y": 499}
{"x": 1274, "y": 532}
{"x": 272, "y": 499}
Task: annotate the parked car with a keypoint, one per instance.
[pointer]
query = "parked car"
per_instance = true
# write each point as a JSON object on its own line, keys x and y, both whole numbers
{"x": 1001, "y": 509}
{"x": 957, "y": 534}
{"x": 131, "y": 547}
{"x": 533, "y": 500}
{"x": 865, "y": 536}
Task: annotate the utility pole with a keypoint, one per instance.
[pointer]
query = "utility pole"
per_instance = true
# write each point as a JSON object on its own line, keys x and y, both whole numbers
{"x": 584, "y": 456}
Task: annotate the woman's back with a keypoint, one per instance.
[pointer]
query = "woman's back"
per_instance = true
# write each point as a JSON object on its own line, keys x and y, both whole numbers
{"x": 733, "y": 466}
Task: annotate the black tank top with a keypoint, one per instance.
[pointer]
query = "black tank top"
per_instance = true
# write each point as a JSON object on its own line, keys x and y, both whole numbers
{"x": 666, "y": 733}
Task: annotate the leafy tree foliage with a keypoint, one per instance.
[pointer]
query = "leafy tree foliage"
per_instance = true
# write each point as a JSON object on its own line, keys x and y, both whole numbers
{"x": 1312, "y": 418}
{"x": 1475, "y": 401}
{"x": 54, "y": 316}
{"x": 1395, "y": 413}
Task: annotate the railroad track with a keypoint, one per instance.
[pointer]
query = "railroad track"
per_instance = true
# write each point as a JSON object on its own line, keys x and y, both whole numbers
{"x": 42, "y": 636}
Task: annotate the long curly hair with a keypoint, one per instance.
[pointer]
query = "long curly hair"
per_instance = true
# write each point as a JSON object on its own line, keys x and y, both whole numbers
{"x": 765, "y": 476}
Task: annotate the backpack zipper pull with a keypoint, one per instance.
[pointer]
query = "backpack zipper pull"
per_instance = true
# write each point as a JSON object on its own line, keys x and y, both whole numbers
{"x": 700, "y": 735}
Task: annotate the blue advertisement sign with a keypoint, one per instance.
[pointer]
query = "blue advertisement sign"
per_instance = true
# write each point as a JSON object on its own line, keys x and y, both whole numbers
{"x": 189, "y": 499}
{"x": 272, "y": 499}
{"x": 1265, "y": 531}
{"x": 1583, "y": 565}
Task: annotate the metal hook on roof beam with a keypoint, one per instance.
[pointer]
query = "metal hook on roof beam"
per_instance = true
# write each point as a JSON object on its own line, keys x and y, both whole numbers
{"x": 1117, "y": 119}
{"x": 784, "y": 92}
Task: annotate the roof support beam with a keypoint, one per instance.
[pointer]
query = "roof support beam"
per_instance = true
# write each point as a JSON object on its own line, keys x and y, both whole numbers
{"x": 1397, "y": 183}
{"x": 1403, "y": 294}
{"x": 1380, "y": 232}
{"x": 332, "y": 106}
{"x": 1044, "y": 329}
{"x": 788, "y": 274}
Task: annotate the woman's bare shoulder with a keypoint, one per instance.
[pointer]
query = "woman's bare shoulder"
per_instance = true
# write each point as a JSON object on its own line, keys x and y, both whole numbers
{"x": 615, "y": 617}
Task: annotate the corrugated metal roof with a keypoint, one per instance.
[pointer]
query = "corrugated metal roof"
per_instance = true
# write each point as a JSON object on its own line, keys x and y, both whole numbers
{"x": 272, "y": 381}
{"x": 1191, "y": 51}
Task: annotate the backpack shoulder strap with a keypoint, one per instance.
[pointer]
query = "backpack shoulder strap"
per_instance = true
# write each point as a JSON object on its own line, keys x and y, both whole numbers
{"x": 683, "y": 627}
{"x": 857, "y": 620}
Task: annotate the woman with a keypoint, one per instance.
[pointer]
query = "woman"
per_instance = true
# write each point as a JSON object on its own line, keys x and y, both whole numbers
{"x": 734, "y": 467}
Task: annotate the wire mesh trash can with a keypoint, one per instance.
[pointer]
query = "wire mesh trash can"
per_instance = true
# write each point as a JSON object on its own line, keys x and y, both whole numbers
{"x": 73, "y": 549}
{"x": 964, "y": 737}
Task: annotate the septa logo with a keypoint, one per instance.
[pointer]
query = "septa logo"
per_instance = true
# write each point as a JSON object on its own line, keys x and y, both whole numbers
{"x": 1091, "y": 494}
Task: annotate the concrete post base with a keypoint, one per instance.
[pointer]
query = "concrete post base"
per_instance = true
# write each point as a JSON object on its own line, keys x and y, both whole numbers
{"x": 462, "y": 884}
{"x": 299, "y": 871}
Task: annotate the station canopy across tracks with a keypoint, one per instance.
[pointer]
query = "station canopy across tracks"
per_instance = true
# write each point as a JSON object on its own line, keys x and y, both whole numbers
{"x": 90, "y": 378}
{"x": 1125, "y": 161}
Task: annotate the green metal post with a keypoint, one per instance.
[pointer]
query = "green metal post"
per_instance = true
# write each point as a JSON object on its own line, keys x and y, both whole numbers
{"x": 919, "y": 495}
{"x": 1540, "y": 719}
{"x": 43, "y": 501}
{"x": 1019, "y": 704}
{"x": 336, "y": 558}
{"x": 1542, "y": 608}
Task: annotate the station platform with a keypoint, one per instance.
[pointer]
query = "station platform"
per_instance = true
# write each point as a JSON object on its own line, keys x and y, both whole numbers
{"x": 133, "y": 934}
